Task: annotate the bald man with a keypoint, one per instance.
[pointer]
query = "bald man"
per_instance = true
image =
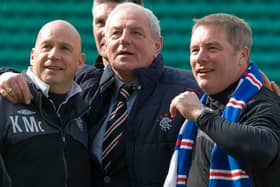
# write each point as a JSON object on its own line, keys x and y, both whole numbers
{"x": 44, "y": 143}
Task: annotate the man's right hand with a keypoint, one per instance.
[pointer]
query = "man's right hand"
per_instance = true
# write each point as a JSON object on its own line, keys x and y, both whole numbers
{"x": 14, "y": 87}
{"x": 188, "y": 104}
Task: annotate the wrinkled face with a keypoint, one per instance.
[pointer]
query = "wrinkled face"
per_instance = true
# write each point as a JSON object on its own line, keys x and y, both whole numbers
{"x": 100, "y": 15}
{"x": 130, "y": 44}
{"x": 57, "y": 56}
{"x": 215, "y": 63}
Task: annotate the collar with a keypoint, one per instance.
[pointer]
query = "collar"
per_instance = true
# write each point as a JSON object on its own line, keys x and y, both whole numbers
{"x": 44, "y": 87}
{"x": 147, "y": 77}
{"x": 99, "y": 62}
{"x": 219, "y": 100}
{"x": 118, "y": 84}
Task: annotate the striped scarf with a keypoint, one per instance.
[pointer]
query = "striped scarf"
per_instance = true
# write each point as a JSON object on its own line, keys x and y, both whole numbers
{"x": 224, "y": 171}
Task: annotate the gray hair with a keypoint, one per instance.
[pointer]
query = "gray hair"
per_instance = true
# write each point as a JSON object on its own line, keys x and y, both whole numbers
{"x": 98, "y": 2}
{"x": 238, "y": 31}
{"x": 153, "y": 20}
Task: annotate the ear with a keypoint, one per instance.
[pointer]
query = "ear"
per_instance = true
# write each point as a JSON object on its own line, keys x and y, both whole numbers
{"x": 244, "y": 56}
{"x": 158, "y": 45}
{"x": 32, "y": 56}
{"x": 81, "y": 60}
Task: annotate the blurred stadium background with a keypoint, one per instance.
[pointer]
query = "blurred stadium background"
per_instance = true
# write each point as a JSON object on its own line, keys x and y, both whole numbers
{"x": 21, "y": 20}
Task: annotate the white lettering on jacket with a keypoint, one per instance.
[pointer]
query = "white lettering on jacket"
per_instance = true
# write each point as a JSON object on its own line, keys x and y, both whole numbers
{"x": 25, "y": 124}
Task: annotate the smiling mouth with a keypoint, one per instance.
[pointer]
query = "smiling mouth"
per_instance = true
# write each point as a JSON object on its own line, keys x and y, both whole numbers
{"x": 203, "y": 72}
{"x": 54, "y": 68}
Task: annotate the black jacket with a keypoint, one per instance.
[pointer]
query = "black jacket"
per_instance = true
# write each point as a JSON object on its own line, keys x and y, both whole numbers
{"x": 254, "y": 141}
{"x": 150, "y": 136}
{"x": 44, "y": 147}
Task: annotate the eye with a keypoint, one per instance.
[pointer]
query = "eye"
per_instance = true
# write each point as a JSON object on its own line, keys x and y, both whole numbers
{"x": 100, "y": 23}
{"x": 65, "y": 47}
{"x": 136, "y": 33}
{"x": 116, "y": 34}
{"x": 45, "y": 47}
{"x": 194, "y": 50}
{"x": 212, "y": 48}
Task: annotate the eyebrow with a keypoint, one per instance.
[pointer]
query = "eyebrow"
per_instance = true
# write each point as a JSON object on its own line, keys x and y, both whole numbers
{"x": 60, "y": 43}
{"x": 210, "y": 44}
{"x": 217, "y": 44}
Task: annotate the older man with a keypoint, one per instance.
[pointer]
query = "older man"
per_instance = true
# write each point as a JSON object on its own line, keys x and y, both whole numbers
{"x": 139, "y": 153}
{"x": 100, "y": 12}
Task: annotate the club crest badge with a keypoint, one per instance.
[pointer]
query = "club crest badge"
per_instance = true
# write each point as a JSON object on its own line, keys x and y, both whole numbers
{"x": 165, "y": 122}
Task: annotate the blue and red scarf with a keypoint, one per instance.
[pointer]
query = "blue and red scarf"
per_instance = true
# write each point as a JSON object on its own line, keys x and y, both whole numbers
{"x": 225, "y": 171}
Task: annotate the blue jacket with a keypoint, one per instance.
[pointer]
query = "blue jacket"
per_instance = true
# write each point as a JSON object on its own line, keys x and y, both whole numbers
{"x": 150, "y": 135}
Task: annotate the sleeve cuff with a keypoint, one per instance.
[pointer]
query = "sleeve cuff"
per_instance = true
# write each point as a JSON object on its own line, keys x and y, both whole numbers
{"x": 206, "y": 111}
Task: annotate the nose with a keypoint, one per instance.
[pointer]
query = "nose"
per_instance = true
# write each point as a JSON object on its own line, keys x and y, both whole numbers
{"x": 202, "y": 56}
{"x": 54, "y": 53}
{"x": 124, "y": 39}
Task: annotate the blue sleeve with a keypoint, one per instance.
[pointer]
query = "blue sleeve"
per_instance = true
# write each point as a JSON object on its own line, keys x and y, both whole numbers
{"x": 5, "y": 69}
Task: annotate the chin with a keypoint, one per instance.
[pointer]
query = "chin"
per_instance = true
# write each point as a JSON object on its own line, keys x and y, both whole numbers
{"x": 203, "y": 85}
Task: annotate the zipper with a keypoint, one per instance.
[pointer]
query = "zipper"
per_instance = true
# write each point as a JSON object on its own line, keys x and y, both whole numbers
{"x": 63, "y": 139}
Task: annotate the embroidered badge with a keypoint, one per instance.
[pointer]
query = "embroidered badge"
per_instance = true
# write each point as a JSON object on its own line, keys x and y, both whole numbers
{"x": 25, "y": 112}
{"x": 165, "y": 122}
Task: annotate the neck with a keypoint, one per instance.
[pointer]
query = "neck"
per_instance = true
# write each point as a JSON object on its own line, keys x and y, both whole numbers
{"x": 125, "y": 77}
{"x": 105, "y": 61}
{"x": 58, "y": 89}
{"x": 223, "y": 96}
